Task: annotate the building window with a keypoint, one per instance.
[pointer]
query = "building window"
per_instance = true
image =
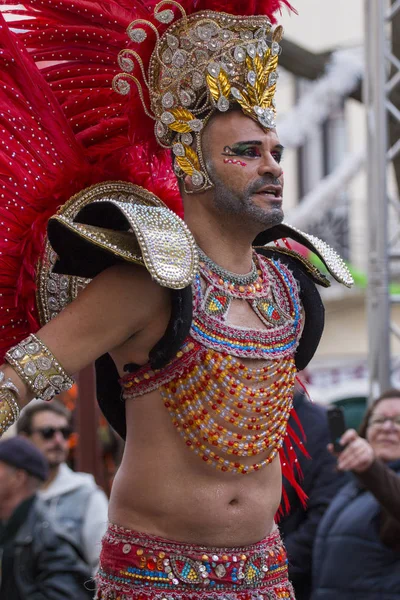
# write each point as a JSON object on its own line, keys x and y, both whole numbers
{"x": 317, "y": 158}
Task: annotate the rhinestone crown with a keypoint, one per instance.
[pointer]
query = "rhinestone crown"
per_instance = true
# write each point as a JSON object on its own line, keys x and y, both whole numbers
{"x": 202, "y": 63}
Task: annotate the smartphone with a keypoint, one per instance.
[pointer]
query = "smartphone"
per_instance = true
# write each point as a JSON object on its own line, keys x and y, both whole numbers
{"x": 336, "y": 426}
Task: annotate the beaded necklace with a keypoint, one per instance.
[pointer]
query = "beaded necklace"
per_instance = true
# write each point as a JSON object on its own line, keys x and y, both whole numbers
{"x": 273, "y": 297}
{"x": 250, "y": 285}
{"x": 225, "y": 410}
{"x": 226, "y": 278}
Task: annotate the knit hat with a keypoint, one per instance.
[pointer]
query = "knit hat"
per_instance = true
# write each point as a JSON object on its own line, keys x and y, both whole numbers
{"x": 22, "y": 454}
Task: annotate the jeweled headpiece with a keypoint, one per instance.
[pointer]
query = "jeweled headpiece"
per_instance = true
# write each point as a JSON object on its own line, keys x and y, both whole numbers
{"x": 203, "y": 62}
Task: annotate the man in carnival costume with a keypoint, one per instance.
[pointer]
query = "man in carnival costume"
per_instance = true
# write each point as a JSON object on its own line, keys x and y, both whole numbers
{"x": 202, "y": 322}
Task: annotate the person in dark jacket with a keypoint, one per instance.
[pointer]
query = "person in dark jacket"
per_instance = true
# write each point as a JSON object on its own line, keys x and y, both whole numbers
{"x": 37, "y": 562}
{"x": 357, "y": 547}
{"x": 321, "y": 481}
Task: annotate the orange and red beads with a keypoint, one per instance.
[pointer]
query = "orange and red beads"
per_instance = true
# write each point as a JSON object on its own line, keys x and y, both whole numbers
{"x": 226, "y": 411}
{"x": 233, "y": 415}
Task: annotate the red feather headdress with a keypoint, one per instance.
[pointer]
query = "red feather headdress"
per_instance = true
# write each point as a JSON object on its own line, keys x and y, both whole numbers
{"x": 64, "y": 128}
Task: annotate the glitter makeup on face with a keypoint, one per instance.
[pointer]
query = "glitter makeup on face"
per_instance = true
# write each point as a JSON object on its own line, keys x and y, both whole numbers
{"x": 240, "y": 149}
{"x": 234, "y": 161}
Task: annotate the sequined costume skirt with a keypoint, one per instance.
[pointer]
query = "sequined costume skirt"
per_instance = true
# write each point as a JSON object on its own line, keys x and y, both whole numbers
{"x": 136, "y": 566}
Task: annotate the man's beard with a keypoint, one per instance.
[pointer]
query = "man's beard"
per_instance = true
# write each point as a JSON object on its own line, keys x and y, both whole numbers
{"x": 227, "y": 202}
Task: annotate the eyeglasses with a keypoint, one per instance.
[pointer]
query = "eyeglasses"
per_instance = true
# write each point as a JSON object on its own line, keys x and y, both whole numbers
{"x": 381, "y": 420}
{"x": 49, "y": 432}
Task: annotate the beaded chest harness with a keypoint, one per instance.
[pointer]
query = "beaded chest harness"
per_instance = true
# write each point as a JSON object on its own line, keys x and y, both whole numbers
{"x": 224, "y": 409}
{"x": 272, "y": 293}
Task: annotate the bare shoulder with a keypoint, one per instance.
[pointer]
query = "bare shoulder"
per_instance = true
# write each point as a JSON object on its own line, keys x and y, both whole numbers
{"x": 130, "y": 282}
{"x": 123, "y": 292}
{"x": 118, "y": 304}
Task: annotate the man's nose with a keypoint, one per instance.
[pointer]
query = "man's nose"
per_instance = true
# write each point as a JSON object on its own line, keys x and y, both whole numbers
{"x": 58, "y": 436}
{"x": 268, "y": 165}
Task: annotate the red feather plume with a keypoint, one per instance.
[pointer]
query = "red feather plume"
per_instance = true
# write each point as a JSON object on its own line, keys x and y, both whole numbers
{"x": 64, "y": 128}
{"x": 41, "y": 164}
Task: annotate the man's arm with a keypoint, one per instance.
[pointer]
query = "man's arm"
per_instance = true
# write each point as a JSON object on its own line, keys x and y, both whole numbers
{"x": 359, "y": 457}
{"x": 384, "y": 484}
{"x": 60, "y": 572}
{"x": 116, "y": 305}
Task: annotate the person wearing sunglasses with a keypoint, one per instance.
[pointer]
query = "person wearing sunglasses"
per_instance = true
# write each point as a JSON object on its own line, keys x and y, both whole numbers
{"x": 48, "y": 433}
{"x": 357, "y": 547}
{"x": 74, "y": 500}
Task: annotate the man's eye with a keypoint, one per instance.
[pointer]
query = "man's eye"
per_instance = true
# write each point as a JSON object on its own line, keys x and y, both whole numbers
{"x": 277, "y": 156}
{"x": 252, "y": 152}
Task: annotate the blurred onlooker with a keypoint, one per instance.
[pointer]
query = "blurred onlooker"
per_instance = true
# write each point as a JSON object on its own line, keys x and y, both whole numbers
{"x": 37, "y": 562}
{"x": 73, "y": 499}
{"x": 320, "y": 482}
{"x": 357, "y": 549}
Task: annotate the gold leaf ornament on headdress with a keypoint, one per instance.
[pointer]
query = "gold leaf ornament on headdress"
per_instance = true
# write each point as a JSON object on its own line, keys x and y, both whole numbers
{"x": 201, "y": 63}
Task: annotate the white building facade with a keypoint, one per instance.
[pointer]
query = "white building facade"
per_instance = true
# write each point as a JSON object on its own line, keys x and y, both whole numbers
{"x": 334, "y": 146}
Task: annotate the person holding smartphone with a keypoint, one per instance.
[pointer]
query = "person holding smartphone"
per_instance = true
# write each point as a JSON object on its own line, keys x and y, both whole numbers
{"x": 357, "y": 546}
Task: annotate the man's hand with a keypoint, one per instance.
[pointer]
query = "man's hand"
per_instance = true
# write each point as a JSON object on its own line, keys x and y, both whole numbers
{"x": 357, "y": 455}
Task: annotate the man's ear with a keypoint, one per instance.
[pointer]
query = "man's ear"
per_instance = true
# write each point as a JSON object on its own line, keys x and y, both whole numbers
{"x": 187, "y": 181}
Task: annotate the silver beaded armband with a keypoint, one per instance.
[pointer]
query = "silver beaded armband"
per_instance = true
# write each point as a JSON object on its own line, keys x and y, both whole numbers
{"x": 38, "y": 368}
{"x": 9, "y": 409}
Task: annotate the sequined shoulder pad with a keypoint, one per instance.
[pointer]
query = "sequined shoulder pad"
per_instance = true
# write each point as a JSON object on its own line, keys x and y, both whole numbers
{"x": 310, "y": 269}
{"x": 331, "y": 259}
{"x": 106, "y": 224}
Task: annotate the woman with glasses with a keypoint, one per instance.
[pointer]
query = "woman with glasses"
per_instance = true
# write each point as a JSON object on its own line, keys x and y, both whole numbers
{"x": 357, "y": 547}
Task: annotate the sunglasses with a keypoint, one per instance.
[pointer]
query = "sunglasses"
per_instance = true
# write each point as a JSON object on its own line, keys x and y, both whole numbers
{"x": 48, "y": 433}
